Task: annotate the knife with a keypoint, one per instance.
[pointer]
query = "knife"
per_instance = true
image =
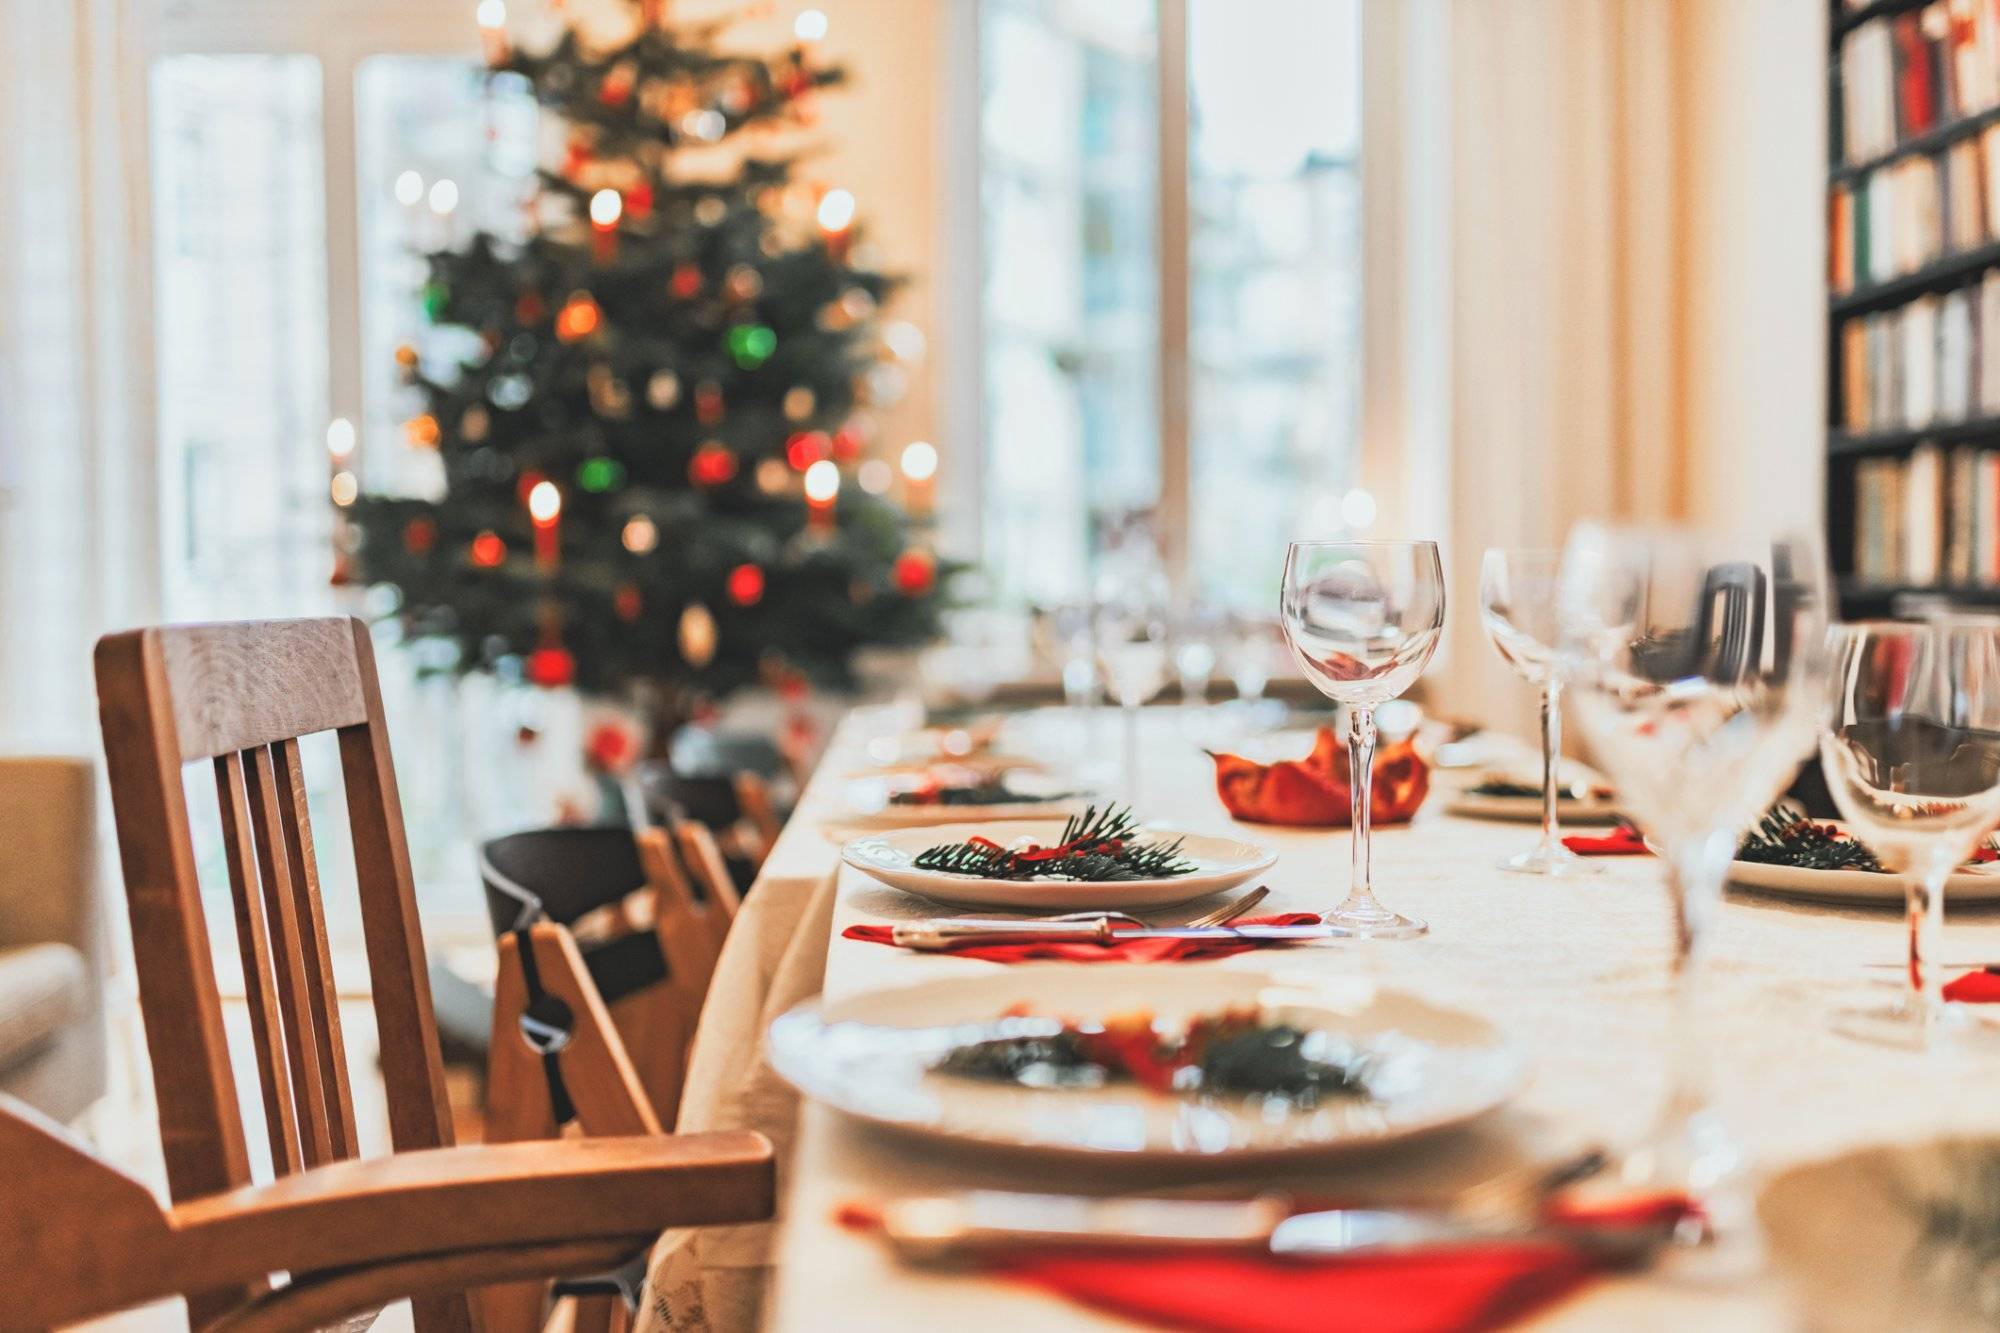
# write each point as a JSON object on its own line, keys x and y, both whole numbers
{"x": 936, "y": 936}
{"x": 950, "y": 1226}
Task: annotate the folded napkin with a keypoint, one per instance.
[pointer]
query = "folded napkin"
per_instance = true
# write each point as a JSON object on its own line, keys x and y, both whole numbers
{"x": 1979, "y": 986}
{"x": 1090, "y": 951}
{"x": 1457, "y": 1290}
{"x": 1621, "y": 841}
{"x": 1314, "y": 792}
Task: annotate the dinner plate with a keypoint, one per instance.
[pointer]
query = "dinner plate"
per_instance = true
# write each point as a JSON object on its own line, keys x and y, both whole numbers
{"x": 1528, "y": 809}
{"x": 870, "y": 1056}
{"x": 1220, "y": 863}
{"x": 870, "y": 805}
{"x": 1889, "y": 1237}
{"x": 1965, "y": 886}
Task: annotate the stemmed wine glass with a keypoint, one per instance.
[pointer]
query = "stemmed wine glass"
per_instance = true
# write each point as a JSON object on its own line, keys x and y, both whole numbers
{"x": 1912, "y": 758}
{"x": 1132, "y": 652}
{"x": 1517, "y": 605}
{"x": 1362, "y": 620}
{"x": 1696, "y": 667}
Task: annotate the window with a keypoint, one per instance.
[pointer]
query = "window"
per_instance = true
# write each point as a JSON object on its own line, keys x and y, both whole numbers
{"x": 1081, "y": 238}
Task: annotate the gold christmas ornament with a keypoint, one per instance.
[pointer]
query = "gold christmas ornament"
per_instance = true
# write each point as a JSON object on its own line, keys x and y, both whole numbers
{"x": 697, "y": 635}
{"x": 663, "y": 390}
{"x": 711, "y": 210}
{"x": 743, "y": 283}
{"x": 474, "y": 424}
{"x": 799, "y": 402}
{"x": 773, "y": 477}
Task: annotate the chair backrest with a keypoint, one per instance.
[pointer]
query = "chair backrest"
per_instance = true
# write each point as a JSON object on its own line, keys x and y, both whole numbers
{"x": 563, "y": 872}
{"x": 238, "y": 697}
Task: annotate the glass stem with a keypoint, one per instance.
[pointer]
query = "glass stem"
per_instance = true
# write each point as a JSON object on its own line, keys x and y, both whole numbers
{"x": 1361, "y": 779}
{"x": 1131, "y": 712}
{"x": 1923, "y": 905}
{"x": 1689, "y": 1150}
{"x": 1551, "y": 763}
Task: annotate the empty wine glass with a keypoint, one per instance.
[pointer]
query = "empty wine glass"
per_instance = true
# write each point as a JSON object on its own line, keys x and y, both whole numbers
{"x": 1362, "y": 620}
{"x": 1913, "y": 761}
{"x": 1696, "y": 668}
{"x": 1517, "y": 605}
{"x": 1132, "y": 650}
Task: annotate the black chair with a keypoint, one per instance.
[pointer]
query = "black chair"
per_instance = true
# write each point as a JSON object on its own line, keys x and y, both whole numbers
{"x": 563, "y": 875}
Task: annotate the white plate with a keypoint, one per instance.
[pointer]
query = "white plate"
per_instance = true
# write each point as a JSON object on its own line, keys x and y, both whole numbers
{"x": 1851, "y": 1234}
{"x": 869, "y": 1055}
{"x": 869, "y": 803}
{"x": 1221, "y": 863}
{"x": 1965, "y": 886}
{"x": 1528, "y": 809}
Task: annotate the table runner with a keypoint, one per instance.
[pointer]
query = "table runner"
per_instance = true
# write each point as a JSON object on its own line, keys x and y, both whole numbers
{"x": 1575, "y": 970}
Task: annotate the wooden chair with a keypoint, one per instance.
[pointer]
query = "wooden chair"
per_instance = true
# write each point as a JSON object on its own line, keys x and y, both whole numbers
{"x": 428, "y": 1221}
{"x": 643, "y": 941}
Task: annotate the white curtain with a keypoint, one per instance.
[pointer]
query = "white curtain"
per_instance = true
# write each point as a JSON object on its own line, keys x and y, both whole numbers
{"x": 77, "y": 519}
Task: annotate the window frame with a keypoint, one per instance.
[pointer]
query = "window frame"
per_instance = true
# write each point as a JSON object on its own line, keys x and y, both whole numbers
{"x": 1403, "y": 425}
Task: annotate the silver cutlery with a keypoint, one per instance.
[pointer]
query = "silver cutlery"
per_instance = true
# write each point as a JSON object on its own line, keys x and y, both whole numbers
{"x": 1952, "y": 967}
{"x": 943, "y": 1227}
{"x": 1222, "y": 915}
{"x": 939, "y": 936}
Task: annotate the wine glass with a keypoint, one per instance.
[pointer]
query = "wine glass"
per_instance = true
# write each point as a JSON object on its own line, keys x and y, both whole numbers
{"x": 1362, "y": 620}
{"x": 1912, "y": 759}
{"x": 1696, "y": 667}
{"x": 1132, "y": 651}
{"x": 1517, "y": 605}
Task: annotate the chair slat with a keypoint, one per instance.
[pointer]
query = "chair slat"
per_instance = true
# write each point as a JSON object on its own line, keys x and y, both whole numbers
{"x": 303, "y": 1038}
{"x": 413, "y": 1071}
{"x": 259, "y": 989}
{"x": 323, "y": 998}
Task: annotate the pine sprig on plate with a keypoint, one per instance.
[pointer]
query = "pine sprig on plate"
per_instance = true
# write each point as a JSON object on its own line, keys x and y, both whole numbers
{"x": 1096, "y": 846}
{"x": 1785, "y": 837}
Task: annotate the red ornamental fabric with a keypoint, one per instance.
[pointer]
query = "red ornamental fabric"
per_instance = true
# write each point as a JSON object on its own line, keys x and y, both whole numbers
{"x": 1314, "y": 791}
{"x": 1089, "y": 951}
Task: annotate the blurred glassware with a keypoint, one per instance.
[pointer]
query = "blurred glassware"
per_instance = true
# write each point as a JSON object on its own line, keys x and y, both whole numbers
{"x": 1697, "y": 669}
{"x": 1517, "y": 606}
{"x": 1132, "y": 652}
{"x": 1912, "y": 758}
{"x": 1362, "y": 620}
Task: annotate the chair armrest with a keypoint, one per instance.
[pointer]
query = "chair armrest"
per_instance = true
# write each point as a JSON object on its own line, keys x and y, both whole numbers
{"x": 446, "y": 1200}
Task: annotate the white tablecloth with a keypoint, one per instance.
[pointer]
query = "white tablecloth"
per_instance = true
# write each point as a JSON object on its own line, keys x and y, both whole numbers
{"x": 1574, "y": 970}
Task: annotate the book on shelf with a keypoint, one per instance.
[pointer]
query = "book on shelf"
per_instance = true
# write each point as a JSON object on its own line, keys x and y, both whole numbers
{"x": 1932, "y": 361}
{"x": 1906, "y": 74}
{"x": 1931, "y": 518}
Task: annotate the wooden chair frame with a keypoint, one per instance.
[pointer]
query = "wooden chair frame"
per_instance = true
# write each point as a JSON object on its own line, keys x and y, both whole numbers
{"x": 428, "y": 1221}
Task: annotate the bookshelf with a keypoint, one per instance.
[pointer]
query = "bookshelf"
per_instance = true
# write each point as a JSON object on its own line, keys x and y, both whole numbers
{"x": 1913, "y": 303}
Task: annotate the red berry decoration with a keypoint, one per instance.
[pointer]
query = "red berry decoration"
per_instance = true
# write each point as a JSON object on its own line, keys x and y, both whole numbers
{"x": 488, "y": 550}
{"x": 846, "y": 444}
{"x": 550, "y": 667}
{"x": 746, "y": 585}
{"x": 806, "y": 448}
{"x": 914, "y": 573}
{"x": 712, "y": 465}
{"x": 627, "y": 603}
{"x": 420, "y": 535}
{"x": 686, "y": 282}
{"x": 639, "y": 200}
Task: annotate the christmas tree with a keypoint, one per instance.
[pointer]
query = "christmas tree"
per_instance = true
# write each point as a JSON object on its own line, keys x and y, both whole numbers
{"x": 656, "y": 482}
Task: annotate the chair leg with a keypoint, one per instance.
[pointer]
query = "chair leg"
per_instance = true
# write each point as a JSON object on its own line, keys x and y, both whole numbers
{"x": 598, "y": 1314}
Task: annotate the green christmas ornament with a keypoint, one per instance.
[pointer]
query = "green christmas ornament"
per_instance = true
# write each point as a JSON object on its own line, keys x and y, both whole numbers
{"x": 600, "y": 474}
{"x": 751, "y": 345}
{"x": 435, "y": 296}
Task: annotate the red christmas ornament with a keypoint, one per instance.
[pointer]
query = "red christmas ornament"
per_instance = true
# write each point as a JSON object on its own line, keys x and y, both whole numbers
{"x": 708, "y": 402}
{"x": 488, "y": 550}
{"x": 627, "y": 603}
{"x": 914, "y": 573}
{"x": 530, "y": 308}
{"x": 550, "y": 667}
{"x": 806, "y": 448}
{"x": 846, "y": 444}
{"x": 712, "y": 465}
{"x": 420, "y": 536}
{"x": 577, "y": 157}
{"x": 686, "y": 282}
{"x": 639, "y": 200}
{"x": 610, "y": 748}
{"x": 578, "y": 318}
{"x": 746, "y": 585}
{"x": 616, "y": 90}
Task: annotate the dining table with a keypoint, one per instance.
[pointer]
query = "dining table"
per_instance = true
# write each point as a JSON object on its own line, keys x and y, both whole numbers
{"x": 1573, "y": 970}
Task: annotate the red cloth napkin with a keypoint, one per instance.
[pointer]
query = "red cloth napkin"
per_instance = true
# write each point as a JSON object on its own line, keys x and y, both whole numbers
{"x": 1979, "y": 986}
{"x": 1621, "y": 841}
{"x": 1090, "y": 951}
{"x": 1232, "y": 1291}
